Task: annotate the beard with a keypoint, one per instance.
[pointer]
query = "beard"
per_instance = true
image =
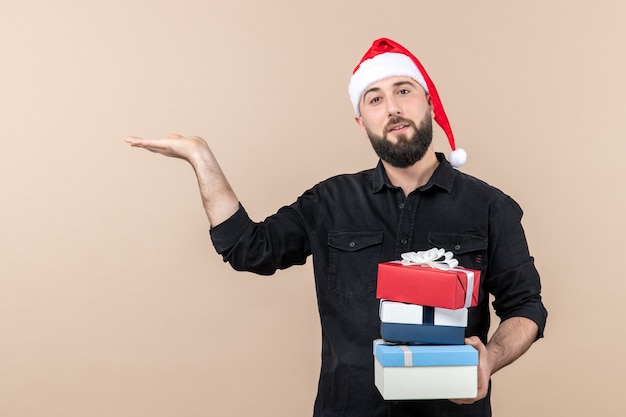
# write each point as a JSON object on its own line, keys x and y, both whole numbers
{"x": 408, "y": 149}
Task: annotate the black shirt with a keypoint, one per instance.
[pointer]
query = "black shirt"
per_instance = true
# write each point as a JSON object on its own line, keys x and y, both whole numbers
{"x": 350, "y": 223}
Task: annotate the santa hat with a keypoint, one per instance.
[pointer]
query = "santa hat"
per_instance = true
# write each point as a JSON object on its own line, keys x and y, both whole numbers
{"x": 386, "y": 59}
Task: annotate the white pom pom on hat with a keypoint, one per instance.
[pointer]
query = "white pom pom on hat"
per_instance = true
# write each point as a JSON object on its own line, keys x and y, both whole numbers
{"x": 387, "y": 58}
{"x": 458, "y": 157}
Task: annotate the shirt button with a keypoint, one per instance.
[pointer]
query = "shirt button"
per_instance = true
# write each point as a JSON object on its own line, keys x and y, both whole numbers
{"x": 404, "y": 241}
{"x": 401, "y": 205}
{"x": 457, "y": 247}
{"x": 352, "y": 244}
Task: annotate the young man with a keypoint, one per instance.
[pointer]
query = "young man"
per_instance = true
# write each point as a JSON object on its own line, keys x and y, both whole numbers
{"x": 412, "y": 200}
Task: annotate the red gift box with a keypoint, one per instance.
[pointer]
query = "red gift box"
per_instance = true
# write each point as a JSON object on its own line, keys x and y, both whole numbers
{"x": 427, "y": 286}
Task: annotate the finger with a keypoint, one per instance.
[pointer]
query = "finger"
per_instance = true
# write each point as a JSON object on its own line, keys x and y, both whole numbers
{"x": 473, "y": 341}
{"x": 138, "y": 142}
{"x": 154, "y": 145}
{"x": 141, "y": 142}
{"x": 134, "y": 140}
{"x": 462, "y": 401}
{"x": 131, "y": 139}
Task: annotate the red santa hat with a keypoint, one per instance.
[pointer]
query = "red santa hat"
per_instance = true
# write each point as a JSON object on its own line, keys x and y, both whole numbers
{"x": 386, "y": 59}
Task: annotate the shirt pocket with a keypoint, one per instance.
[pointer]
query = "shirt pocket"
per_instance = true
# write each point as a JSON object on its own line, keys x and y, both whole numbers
{"x": 353, "y": 262}
{"x": 469, "y": 249}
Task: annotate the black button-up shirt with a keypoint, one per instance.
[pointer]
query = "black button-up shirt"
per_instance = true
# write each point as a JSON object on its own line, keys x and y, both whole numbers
{"x": 351, "y": 223}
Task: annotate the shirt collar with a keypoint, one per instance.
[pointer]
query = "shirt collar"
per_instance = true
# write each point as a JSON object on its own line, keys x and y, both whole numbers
{"x": 443, "y": 176}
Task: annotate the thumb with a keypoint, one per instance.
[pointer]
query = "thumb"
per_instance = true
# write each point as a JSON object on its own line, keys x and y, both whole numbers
{"x": 473, "y": 341}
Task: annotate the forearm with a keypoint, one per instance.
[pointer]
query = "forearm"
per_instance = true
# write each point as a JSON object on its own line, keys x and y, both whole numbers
{"x": 511, "y": 340}
{"x": 218, "y": 198}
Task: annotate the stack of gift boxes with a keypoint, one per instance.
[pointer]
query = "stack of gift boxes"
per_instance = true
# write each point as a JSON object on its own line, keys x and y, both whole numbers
{"x": 424, "y": 301}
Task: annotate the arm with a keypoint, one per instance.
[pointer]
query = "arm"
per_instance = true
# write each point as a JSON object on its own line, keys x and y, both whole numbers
{"x": 218, "y": 198}
{"x": 278, "y": 242}
{"x": 511, "y": 340}
{"x": 515, "y": 283}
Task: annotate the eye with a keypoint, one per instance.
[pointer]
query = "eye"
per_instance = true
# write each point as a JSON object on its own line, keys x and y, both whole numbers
{"x": 404, "y": 91}
{"x": 374, "y": 100}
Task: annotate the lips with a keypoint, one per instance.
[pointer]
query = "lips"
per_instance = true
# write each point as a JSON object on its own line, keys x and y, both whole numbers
{"x": 397, "y": 127}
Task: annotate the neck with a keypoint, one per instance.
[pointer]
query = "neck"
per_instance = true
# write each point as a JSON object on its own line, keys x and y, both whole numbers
{"x": 414, "y": 176}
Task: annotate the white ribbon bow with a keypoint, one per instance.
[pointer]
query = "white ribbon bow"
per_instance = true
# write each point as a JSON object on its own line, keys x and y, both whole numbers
{"x": 432, "y": 257}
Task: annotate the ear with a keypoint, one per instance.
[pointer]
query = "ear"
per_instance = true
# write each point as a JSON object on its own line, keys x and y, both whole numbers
{"x": 430, "y": 104}
{"x": 359, "y": 121}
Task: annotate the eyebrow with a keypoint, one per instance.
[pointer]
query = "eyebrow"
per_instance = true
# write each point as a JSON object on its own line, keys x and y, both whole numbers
{"x": 396, "y": 84}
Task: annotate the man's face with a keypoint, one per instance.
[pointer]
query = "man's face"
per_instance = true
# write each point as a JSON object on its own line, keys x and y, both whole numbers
{"x": 397, "y": 118}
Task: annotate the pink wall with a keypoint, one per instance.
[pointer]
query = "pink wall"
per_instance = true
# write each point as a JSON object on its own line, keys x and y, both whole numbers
{"x": 113, "y": 301}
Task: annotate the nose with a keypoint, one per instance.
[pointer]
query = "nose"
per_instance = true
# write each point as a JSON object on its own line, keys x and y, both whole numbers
{"x": 393, "y": 107}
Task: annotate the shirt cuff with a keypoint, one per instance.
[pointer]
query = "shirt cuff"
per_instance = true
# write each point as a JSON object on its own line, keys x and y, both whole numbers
{"x": 536, "y": 313}
{"x": 226, "y": 234}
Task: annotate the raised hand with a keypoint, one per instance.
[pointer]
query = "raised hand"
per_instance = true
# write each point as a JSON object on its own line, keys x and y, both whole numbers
{"x": 218, "y": 198}
{"x": 188, "y": 148}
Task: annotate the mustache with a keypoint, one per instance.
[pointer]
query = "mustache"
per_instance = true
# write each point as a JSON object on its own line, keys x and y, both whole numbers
{"x": 396, "y": 120}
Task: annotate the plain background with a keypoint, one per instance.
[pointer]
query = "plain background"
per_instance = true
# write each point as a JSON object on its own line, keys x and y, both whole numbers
{"x": 112, "y": 299}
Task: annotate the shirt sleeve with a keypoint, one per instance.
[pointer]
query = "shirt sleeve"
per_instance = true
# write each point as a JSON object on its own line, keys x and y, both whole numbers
{"x": 512, "y": 277}
{"x": 278, "y": 242}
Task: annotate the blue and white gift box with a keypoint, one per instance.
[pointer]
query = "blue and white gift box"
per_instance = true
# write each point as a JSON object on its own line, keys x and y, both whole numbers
{"x": 405, "y": 313}
{"x": 419, "y": 372}
{"x": 411, "y": 323}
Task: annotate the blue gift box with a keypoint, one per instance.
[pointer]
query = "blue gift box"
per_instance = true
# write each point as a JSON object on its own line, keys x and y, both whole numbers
{"x": 422, "y": 333}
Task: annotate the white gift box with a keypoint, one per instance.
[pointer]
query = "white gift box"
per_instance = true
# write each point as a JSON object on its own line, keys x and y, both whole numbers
{"x": 403, "y": 313}
{"x": 419, "y": 372}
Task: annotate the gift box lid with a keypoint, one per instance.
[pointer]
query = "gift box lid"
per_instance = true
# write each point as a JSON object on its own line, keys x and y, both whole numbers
{"x": 392, "y": 355}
